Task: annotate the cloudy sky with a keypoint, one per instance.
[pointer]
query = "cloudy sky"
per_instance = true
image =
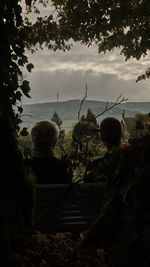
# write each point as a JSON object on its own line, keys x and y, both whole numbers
{"x": 67, "y": 73}
{"x": 106, "y": 75}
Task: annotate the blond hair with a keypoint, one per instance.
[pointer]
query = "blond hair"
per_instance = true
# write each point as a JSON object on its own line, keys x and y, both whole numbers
{"x": 44, "y": 136}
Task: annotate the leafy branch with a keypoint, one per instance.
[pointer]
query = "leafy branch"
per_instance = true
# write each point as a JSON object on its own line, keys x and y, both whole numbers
{"x": 144, "y": 76}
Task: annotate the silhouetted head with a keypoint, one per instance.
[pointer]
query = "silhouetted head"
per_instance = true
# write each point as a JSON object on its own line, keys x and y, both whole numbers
{"x": 44, "y": 137}
{"x": 111, "y": 132}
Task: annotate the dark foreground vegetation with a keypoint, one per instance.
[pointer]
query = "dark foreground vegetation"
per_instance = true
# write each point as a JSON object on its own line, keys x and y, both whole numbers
{"x": 61, "y": 250}
{"x": 123, "y": 226}
{"x": 120, "y": 235}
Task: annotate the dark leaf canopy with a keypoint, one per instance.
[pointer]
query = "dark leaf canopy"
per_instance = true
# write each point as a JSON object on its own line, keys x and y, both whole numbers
{"x": 108, "y": 24}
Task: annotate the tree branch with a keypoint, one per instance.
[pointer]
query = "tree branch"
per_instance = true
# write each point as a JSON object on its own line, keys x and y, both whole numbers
{"x": 83, "y": 100}
{"x": 119, "y": 100}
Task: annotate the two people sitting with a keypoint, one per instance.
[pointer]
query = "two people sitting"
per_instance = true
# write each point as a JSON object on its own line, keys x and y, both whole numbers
{"x": 47, "y": 168}
{"x": 51, "y": 170}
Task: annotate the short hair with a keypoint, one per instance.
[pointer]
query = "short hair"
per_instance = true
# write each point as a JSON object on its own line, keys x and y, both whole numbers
{"x": 111, "y": 132}
{"x": 45, "y": 133}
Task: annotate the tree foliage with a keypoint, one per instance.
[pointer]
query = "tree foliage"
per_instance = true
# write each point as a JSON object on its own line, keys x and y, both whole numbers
{"x": 123, "y": 225}
{"x": 90, "y": 117}
{"x": 85, "y": 131}
{"x": 15, "y": 209}
{"x": 13, "y": 60}
{"x": 140, "y": 126}
{"x": 107, "y": 24}
{"x": 55, "y": 117}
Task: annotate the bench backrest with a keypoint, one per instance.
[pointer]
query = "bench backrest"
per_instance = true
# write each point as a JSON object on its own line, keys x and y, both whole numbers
{"x": 66, "y": 208}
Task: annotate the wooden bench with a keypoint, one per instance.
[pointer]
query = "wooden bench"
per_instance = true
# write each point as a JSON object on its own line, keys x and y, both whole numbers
{"x": 66, "y": 208}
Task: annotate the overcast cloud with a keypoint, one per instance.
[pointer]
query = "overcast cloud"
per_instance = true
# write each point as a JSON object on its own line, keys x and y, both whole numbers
{"x": 106, "y": 75}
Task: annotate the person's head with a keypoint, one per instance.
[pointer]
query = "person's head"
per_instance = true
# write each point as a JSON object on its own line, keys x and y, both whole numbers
{"x": 111, "y": 132}
{"x": 44, "y": 136}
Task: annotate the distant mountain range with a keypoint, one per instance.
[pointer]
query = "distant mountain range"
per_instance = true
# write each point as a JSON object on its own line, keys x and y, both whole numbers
{"x": 68, "y": 110}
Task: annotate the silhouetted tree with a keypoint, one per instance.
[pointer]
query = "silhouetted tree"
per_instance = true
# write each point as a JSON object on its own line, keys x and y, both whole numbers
{"x": 15, "y": 198}
{"x": 140, "y": 125}
{"x": 55, "y": 117}
{"x": 90, "y": 116}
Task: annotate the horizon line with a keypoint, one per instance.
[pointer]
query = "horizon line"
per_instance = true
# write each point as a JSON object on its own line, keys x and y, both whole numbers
{"x": 62, "y": 101}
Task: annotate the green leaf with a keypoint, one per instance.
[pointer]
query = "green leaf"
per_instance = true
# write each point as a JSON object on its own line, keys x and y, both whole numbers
{"x": 22, "y": 60}
{"x": 14, "y": 57}
{"x": 25, "y": 88}
{"x": 24, "y": 132}
{"x": 29, "y": 67}
{"x": 18, "y": 95}
{"x": 28, "y": 2}
{"x": 20, "y": 109}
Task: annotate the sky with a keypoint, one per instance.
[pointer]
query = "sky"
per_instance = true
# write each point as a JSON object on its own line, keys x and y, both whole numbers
{"x": 107, "y": 75}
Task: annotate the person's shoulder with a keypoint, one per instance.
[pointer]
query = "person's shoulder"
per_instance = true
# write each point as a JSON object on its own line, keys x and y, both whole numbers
{"x": 60, "y": 165}
{"x": 61, "y": 170}
{"x": 57, "y": 160}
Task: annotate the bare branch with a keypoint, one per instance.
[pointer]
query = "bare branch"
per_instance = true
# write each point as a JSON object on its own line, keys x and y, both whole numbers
{"x": 80, "y": 155}
{"x": 83, "y": 100}
{"x": 119, "y": 100}
{"x": 106, "y": 105}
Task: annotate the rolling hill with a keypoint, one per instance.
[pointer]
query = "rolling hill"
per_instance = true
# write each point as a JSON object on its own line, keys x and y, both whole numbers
{"x": 68, "y": 110}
